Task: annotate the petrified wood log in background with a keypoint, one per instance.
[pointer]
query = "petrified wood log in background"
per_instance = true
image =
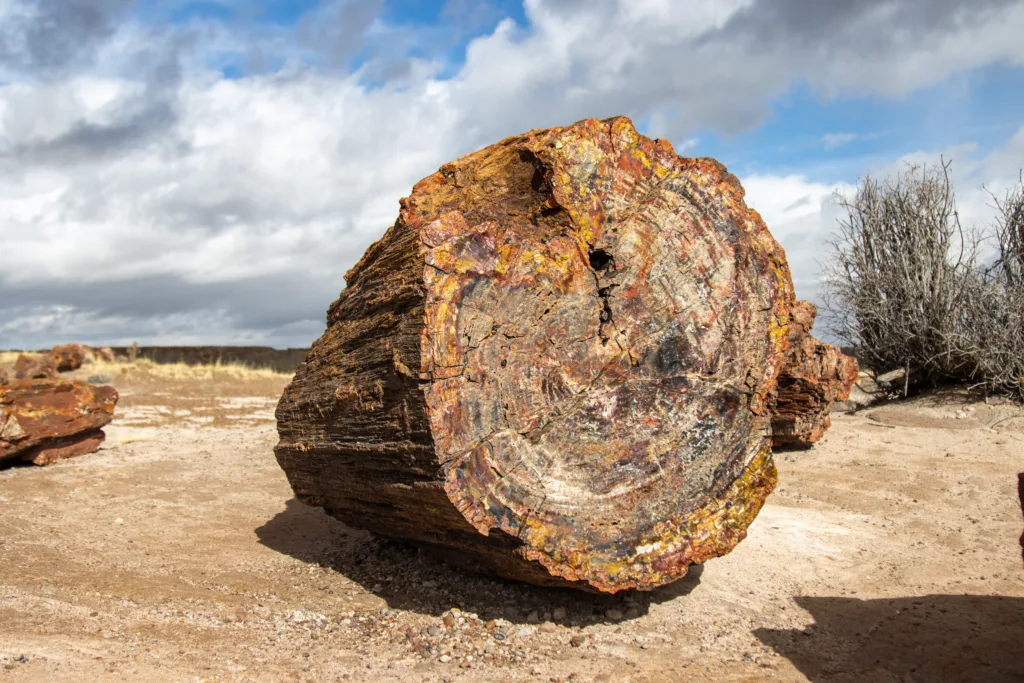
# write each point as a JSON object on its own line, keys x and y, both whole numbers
{"x": 35, "y": 366}
{"x": 69, "y": 357}
{"x": 814, "y": 377}
{"x": 45, "y": 420}
{"x": 554, "y": 366}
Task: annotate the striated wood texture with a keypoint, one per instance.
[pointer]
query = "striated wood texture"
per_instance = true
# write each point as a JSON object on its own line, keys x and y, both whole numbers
{"x": 554, "y": 367}
{"x": 814, "y": 377}
{"x": 46, "y": 420}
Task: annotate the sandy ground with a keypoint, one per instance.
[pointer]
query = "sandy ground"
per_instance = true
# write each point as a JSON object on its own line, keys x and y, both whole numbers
{"x": 177, "y": 553}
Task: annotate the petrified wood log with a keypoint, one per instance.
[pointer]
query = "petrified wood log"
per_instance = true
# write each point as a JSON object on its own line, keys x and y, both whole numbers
{"x": 68, "y": 357}
{"x": 554, "y": 366}
{"x": 36, "y": 366}
{"x": 814, "y": 377}
{"x": 45, "y": 420}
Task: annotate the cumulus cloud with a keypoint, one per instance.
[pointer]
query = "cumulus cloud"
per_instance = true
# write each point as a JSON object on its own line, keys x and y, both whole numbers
{"x": 145, "y": 195}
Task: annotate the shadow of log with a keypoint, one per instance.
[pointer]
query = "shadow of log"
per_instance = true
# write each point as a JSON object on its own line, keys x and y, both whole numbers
{"x": 410, "y": 579}
{"x": 925, "y": 638}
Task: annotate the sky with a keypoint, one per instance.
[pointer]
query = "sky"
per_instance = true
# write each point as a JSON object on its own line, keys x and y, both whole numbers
{"x": 205, "y": 172}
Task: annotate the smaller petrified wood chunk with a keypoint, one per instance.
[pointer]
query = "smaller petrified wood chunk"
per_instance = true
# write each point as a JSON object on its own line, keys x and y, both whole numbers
{"x": 69, "y": 357}
{"x": 45, "y": 420}
{"x": 815, "y": 376}
{"x": 34, "y": 367}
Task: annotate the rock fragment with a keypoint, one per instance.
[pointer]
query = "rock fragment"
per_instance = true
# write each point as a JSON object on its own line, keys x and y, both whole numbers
{"x": 34, "y": 366}
{"x": 814, "y": 377}
{"x": 69, "y": 357}
{"x": 46, "y": 420}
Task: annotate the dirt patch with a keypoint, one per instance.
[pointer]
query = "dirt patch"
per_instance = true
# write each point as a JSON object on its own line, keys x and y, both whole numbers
{"x": 177, "y": 552}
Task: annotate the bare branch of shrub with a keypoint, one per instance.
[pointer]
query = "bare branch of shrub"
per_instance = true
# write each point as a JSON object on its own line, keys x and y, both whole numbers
{"x": 1009, "y": 230}
{"x": 897, "y": 282}
{"x": 905, "y": 288}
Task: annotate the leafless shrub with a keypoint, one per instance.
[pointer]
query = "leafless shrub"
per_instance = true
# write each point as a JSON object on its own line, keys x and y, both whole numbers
{"x": 1010, "y": 235}
{"x": 901, "y": 274}
{"x": 906, "y": 289}
{"x": 992, "y": 335}
{"x": 994, "y": 317}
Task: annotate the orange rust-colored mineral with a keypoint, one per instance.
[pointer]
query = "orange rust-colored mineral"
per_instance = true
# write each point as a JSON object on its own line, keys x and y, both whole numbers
{"x": 554, "y": 367}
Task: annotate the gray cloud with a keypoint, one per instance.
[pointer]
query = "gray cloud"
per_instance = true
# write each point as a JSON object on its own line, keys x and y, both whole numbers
{"x": 336, "y": 32}
{"x": 48, "y": 36}
{"x": 864, "y": 25}
{"x": 87, "y": 142}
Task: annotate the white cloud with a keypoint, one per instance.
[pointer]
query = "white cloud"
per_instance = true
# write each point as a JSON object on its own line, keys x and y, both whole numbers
{"x": 801, "y": 214}
{"x": 835, "y": 140}
{"x": 135, "y": 165}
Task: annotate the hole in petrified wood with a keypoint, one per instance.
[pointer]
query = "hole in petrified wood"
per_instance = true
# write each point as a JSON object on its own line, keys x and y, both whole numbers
{"x": 600, "y": 259}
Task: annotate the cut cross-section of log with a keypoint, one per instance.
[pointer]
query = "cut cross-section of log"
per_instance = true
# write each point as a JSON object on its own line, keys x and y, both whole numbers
{"x": 555, "y": 365}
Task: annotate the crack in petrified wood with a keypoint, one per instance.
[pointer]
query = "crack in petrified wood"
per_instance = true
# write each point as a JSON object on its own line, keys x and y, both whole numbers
{"x": 570, "y": 336}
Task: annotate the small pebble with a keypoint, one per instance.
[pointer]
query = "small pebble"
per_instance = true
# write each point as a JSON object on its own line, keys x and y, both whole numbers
{"x": 577, "y": 640}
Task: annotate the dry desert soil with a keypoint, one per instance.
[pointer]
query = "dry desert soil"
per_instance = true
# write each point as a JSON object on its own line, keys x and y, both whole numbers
{"x": 177, "y": 552}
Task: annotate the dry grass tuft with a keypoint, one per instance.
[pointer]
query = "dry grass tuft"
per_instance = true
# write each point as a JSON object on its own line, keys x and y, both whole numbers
{"x": 181, "y": 371}
{"x": 142, "y": 367}
{"x": 8, "y": 357}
